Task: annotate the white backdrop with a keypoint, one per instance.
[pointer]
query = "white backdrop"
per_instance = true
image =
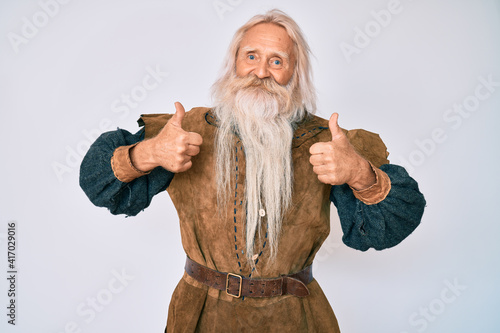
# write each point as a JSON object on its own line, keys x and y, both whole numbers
{"x": 426, "y": 77}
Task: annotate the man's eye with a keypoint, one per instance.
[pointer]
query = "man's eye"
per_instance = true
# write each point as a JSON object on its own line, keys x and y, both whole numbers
{"x": 276, "y": 62}
{"x": 251, "y": 57}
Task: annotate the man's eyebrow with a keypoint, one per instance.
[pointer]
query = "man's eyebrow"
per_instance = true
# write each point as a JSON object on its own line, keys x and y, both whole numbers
{"x": 283, "y": 55}
{"x": 248, "y": 49}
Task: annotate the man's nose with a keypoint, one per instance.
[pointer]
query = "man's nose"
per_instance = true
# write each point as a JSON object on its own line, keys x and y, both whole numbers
{"x": 262, "y": 70}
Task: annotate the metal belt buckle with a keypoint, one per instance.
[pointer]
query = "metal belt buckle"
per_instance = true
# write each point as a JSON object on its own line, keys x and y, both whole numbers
{"x": 227, "y": 285}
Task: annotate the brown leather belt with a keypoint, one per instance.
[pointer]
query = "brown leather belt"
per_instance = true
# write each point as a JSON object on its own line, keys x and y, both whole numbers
{"x": 236, "y": 285}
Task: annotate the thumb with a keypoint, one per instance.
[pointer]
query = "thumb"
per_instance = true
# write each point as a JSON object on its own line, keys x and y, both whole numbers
{"x": 333, "y": 124}
{"x": 176, "y": 120}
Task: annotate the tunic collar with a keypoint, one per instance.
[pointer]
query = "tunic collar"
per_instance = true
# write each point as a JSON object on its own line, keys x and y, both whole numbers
{"x": 306, "y": 129}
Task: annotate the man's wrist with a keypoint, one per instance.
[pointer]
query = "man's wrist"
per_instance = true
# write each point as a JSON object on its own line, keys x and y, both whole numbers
{"x": 141, "y": 156}
{"x": 364, "y": 176}
{"x": 122, "y": 166}
{"x": 377, "y": 191}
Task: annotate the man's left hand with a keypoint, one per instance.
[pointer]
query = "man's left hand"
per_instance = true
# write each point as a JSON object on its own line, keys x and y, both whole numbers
{"x": 336, "y": 162}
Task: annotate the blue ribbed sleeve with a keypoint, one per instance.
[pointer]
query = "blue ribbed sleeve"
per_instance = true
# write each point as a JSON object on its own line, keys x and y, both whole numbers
{"x": 385, "y": 224}
{"x": 102, "y": 187}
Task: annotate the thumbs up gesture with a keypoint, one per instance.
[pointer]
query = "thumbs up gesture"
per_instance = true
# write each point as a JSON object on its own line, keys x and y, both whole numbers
{"x": 172, "y": 148}
{"x": 336, "y": 162}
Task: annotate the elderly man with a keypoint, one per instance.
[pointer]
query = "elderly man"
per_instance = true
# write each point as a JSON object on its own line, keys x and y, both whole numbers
{"x": 252, "y": 180}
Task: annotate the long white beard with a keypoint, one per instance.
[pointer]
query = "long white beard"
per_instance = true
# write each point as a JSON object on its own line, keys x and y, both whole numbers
{"x": 261, "y": 112}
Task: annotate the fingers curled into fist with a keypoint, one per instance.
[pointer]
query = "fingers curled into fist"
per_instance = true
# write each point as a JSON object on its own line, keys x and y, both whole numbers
{"x": 336, "y": 162}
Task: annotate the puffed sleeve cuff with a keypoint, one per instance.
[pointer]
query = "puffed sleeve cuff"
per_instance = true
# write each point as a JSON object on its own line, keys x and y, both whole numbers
{"x": 122, "y": 166}
{"x": 378, "y": 191}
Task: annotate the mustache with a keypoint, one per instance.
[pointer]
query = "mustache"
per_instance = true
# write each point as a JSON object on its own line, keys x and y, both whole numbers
{"x": 252, "y": 82}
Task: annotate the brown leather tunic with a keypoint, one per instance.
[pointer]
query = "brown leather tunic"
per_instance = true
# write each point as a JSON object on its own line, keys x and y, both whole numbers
{"x": 217, "y": 240}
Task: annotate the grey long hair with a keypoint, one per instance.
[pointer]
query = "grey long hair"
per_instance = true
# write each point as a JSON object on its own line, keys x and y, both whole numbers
{"x": 261, "y": 112}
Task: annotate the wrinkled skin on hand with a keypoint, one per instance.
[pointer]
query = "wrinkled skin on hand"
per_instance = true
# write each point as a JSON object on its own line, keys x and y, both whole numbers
{"x": 172, "y": 148}
{"x": 336, "y": 162}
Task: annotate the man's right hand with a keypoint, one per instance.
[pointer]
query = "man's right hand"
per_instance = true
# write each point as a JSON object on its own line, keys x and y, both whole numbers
{"x": 172, "y": 148}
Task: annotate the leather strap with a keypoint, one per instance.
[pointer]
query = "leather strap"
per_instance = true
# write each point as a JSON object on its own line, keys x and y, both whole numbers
{"x": 237, "y": 285}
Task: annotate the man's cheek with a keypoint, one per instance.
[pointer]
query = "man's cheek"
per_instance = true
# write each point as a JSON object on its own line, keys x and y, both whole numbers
{"x": 241, "y": 69}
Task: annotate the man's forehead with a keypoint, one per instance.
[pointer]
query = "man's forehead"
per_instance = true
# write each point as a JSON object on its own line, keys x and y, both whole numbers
{"x": 267, "y": 35}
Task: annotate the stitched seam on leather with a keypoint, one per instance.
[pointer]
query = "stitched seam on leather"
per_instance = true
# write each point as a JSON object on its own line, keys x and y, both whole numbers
{"x": 235, "y": 205}
{"x": 315, "y": 131}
